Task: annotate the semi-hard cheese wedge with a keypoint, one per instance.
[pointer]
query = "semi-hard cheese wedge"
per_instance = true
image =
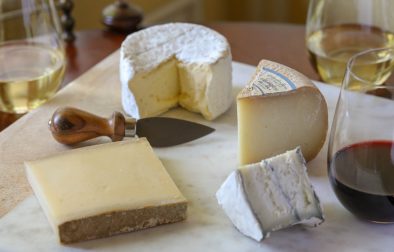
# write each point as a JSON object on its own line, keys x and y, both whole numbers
{"x": 267, "y": 196}
{"x": 177, "y": 63}
{"x": 279, "y": 110}
{"x": 104, "y": 190}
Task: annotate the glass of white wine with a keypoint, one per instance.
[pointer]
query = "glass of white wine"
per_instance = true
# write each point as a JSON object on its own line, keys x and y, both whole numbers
{"x": 32, "y": 58}
{"x": 338, "y": 29}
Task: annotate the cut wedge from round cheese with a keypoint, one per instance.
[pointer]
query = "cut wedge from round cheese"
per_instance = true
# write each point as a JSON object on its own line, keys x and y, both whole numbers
{"x": 279, "y": 110}
{"x": 177, "y": 63}
{"x": 272, "y": 194}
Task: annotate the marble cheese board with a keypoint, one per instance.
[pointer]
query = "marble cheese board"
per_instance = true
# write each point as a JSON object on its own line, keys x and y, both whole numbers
{"x": 198, "y": 168}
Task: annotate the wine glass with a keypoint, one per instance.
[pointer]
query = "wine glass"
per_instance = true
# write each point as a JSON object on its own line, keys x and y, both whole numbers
{"x": 361, "y": 146}
{"x": 338, "y": 29}
{"x": 32, "y": 61}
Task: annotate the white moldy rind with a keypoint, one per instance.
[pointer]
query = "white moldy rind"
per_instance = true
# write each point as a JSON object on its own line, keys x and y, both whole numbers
{"x": 271, "y": 195}
{"x": 232, "y": 198}
{"x": 200, "y": 82}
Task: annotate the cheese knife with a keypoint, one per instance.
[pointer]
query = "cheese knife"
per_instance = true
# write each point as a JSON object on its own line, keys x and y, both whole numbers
{"x": 71, "y": 126}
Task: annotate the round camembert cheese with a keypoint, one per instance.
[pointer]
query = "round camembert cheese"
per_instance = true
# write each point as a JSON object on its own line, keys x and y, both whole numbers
{"x": 177, "y": 63}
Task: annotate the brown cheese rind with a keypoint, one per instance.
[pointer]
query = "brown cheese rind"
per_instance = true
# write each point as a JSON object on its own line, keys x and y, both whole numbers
{"x": 119, "y": 222}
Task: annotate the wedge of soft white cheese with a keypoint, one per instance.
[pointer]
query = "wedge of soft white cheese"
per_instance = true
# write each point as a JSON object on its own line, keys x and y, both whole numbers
{"x": 267, "y": 196}
{"x": 177, "y": 63}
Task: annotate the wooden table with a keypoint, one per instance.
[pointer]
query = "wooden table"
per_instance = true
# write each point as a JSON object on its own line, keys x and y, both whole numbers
{"x": 250, "y": 42}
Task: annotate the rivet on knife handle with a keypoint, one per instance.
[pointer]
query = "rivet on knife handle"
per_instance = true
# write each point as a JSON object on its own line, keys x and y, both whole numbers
{"x": 70, "y": 126}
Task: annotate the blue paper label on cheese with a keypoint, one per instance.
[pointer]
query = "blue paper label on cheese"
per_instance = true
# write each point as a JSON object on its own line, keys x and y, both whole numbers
{"x": 269, "y": 81}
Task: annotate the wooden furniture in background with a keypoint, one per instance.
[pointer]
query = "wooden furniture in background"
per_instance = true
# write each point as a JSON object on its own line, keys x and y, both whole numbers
{"x": 198, "y": 11}
{"x": 283, "y": 43}
{"x": 122, "y": 16}
{"x": 250, "y": 42}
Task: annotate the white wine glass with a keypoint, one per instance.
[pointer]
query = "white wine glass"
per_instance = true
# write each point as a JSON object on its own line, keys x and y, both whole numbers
{"x": 361, "y": 146}
{"x": 338, "y": 29}
{"x": 32, "y": 61}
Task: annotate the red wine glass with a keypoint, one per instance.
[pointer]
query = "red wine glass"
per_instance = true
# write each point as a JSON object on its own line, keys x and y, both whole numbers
{"x": 361, "y": 146}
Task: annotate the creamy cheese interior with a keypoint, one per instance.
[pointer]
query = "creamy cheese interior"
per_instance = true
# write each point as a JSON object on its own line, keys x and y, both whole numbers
{"x": 270, "y": 125}
{"x": 279, "y": 191}
{"x": 188, "y": 85}
{"x": 160, "y": 91}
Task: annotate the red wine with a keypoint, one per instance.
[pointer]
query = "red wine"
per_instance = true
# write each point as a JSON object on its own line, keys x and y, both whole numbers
{"x": 362, "y": 176}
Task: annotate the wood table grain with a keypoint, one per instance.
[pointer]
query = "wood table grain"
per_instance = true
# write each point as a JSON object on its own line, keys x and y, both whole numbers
{"x": 250, "y": 42}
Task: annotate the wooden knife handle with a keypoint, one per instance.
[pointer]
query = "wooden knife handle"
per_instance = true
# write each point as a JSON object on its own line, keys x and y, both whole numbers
{"x": 70, "y": 126}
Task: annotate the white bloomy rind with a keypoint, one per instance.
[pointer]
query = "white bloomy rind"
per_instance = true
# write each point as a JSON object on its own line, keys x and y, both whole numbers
{"x": 271, "y": 195}
{"x": 231, "y": 196}
{"x": 177, "y": 63}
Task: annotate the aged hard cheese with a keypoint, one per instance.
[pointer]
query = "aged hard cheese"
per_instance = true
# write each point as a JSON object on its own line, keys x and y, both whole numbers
{"x": 279, "y": 110}
{"x": 270, "y": 195}
{"x": 104, "y": 190}
{"x": 178, "y": 63}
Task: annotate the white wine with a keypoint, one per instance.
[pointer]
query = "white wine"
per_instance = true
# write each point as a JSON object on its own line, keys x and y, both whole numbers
{"x": 30, "y": 74}
{"x": 331, "y": 48}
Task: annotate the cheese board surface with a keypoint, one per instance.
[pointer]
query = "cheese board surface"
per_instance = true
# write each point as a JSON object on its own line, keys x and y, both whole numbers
{"x": 198, "y": 168}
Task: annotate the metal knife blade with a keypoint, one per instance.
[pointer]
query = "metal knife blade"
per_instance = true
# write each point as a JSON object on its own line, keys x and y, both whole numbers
{"x": 71, "y": 126}
{"x": 165, "y": 131}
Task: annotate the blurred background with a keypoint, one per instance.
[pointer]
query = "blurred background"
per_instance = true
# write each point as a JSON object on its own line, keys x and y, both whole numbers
{"x": 87, "y": 13}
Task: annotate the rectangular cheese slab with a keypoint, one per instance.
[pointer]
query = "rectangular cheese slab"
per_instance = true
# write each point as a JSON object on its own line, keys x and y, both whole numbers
{"x": 104, "y": 190}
